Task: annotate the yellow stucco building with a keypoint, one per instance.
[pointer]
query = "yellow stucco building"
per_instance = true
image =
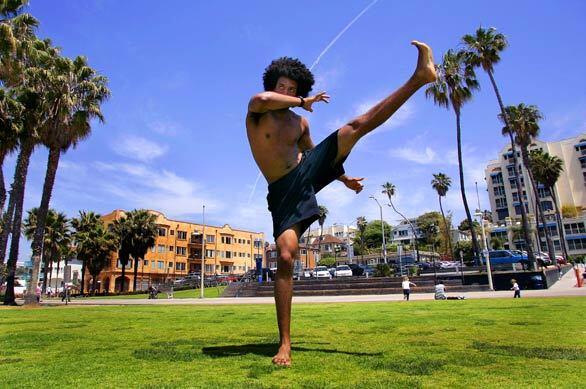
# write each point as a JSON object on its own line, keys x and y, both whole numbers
{"x": 178, "y": 251}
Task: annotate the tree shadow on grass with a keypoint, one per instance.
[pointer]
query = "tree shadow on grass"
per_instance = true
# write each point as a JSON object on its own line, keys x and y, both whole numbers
{"x": 269, "y": 350}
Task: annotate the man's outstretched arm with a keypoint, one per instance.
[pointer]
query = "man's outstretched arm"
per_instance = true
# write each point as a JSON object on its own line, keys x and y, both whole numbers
{"x": 272, "y": 101}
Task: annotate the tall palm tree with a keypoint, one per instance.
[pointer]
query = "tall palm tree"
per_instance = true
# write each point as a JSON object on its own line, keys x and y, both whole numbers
{"x": 454, "y": 87}
{"x": 524, "y": 127}
{"x": 389, "y": 189}
{"x": 10, "y": 126}
{"x": 144, "y": 232}
{"x": 122, "y": 230}
{"x": 361, "y": 224}
{"x": 11, "y": 8}
{"x": 83, "y": 226}
{"x": 74, "y": 94}
{"x": 441, "y": 183}
{"x": 323, "y": 214}
{"x": 547, "y": 170}
{"x": 483, "y": 50}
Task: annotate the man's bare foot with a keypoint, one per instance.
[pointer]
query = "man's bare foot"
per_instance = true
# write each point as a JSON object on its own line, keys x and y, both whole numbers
{"x": 283, "y": 357}
{"x": 425, "y": 71}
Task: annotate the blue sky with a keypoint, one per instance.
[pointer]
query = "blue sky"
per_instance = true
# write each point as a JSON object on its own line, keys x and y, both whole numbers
{"x": 181, "y": 74}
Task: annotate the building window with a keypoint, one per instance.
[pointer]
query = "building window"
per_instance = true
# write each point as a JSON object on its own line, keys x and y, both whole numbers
{"x": 162, "y": 231}
{"x": 181, "y": 235}
{"x": 171, "y": 265}
{"x": 161, "y": 248}
{"x": 179, "y": 266}
{"x": 209, "y": 253}
{"x": 145, "y": 262}
{"x": 226, "y": 239}
{"x": 574, "y": 228}
{"x": 577, "y": 244}
{"x": 501, "y": 203}
{"x": 210, "y": 238}
{"x": 497, "y": 179}
{"x": 303, "y": 251}
{"x": 153, "y": 264}
{"x": 171, "y": 248}
{"x": 248, "y": 241}
{"x": 171, "y": 232}
{"x": 160, "y": 264}
{"x": 547, "y": 205}
{"x": 180, "y": 250}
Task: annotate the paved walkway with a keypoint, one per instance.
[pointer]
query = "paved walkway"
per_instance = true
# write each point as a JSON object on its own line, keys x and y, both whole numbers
{"x": 564, "y": 287}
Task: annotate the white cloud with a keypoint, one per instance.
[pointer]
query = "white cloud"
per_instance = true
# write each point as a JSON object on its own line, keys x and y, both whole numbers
{"x": 398, "y": 119}
{"x": 138, "y": 148}
{"x": 163, "y": 127}
{"x": 421, "y": 156}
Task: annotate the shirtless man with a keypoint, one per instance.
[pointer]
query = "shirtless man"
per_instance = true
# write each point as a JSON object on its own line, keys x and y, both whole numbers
{"x": 296, "y": 169}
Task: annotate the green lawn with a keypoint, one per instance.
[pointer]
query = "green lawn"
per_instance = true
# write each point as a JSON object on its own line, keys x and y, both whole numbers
{"x": 182, "y": 294}
{"x": 473, "y": 343}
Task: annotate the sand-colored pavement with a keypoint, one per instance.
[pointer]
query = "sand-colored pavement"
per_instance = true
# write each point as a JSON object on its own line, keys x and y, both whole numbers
{"x": 564, "y": 287}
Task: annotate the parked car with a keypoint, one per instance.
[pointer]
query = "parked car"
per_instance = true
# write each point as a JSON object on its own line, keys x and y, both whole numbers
{"x": 449, "y": 264}
{"x": 356, "y": 269}
{"x": 322, "y": 272}
{"x": 502, "y": 257}
{"x": 343, "y": 271}
{"x": 543, "y": 259}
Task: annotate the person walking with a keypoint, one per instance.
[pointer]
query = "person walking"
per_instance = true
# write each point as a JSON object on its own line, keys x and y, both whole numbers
{"x": 516, "y": 289}
{"x": 406, "y": 287}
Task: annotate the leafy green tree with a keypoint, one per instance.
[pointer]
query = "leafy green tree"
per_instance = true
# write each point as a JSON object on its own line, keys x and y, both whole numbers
{"x": 454, "y": 86}
{"x": 547, "y": 170}
{"x": 483, "y": 50}
{"x": 496, "y": 243}
{"x": 429, "y": 223}
{"x": 361, "y": 223}
{"x": 372, "y": 234}
{"x": 467, "y": 251}
{"x": 390, "y": 190}
{"x": 441, "y": 183}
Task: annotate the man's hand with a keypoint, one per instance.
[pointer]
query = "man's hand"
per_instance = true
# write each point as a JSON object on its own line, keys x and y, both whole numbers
{"x": 321, "y": 96}
{"x": 353, "y": 183}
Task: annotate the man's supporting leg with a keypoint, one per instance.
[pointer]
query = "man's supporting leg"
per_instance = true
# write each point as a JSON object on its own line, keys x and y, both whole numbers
{"x": 424, "y": 73}
{"x": 288, "y": 249}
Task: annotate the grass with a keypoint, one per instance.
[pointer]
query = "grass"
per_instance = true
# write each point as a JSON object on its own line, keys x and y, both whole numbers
{"x": 480, "y": 343}
{"x": 210, "y": 292}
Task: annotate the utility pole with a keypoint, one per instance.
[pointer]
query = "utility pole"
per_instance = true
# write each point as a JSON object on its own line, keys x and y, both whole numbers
{"x": 203, "y": 253}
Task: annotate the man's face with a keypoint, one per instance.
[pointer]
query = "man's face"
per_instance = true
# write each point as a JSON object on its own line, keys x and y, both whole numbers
{"x": 286, "y": 86}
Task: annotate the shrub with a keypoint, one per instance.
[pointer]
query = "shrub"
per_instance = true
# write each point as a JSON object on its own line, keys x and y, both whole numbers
{"x": 382, "y": 270}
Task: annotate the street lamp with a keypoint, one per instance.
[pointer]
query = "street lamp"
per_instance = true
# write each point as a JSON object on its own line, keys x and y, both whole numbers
{"x": 383, "y": 229}
{"x": 485, "y": 251}
{"x": 203, "y": 253}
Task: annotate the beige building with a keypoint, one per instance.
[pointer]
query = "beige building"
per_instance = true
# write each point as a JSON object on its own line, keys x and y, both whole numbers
{"x": 178, "y": 250}
{"x": 506, "y": 199}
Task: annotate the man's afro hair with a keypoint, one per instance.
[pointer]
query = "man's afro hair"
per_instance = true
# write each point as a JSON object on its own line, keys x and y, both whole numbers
{"x": 291, "y": 68}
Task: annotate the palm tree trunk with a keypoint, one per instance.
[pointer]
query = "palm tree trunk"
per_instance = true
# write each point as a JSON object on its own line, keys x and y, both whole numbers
{"x": 7, "y": 219}
{"x": 123, "y": 277}
{"x": 18, "y": 187}
{"x": 562, "y": 233}
{"x": 410, "y": 225}
{"x": 83, "y": 268}
{"x": 475, "y": 246}
{"x": 538, "y": 209}
{"x": 449, "y": 238}
{"x": 37, "y": 246}
{"x": 2, "y": 186}
{"x": 524, "y": 220}
{"x": 136, "y": 272}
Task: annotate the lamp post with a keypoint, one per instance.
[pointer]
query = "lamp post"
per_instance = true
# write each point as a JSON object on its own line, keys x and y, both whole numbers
{"x": 485, "y": 251}
{"x": 382, "y": 228}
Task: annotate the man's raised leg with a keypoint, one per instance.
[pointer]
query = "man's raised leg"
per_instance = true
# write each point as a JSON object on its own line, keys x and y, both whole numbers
{"x": 424, "y": 73}
{"x": 288, "y": 250}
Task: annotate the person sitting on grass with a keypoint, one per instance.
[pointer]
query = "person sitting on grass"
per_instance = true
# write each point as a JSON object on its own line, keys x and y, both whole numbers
{"x": 440, "y": 293}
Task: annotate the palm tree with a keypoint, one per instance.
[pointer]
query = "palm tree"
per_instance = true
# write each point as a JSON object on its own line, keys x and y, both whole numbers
{"x": 454, "y": 87}
{"x": 11, "y": 8}
{"x": 98, "y": 245}
{"x": 547, "y": 170}
{"x": 389, "y": 189}
{"x": 83, "y": 226}
{"x": 361, "y": 224}
{"x": 524, "y": 127}
{"x": 74, "y": 94}
{"x": 144, "y": 232}
{"x": 323, "y": 214}
{"x": 483, "y": 50}
{"x": 441, "y": 183}
{"x": 10, "y": 126}
{"x": 122, "y": 230}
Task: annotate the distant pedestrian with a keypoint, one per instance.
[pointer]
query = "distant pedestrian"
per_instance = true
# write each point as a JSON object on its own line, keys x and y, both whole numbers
{"x": 559, "y": 266}
{"x": 516, "y": 288}
{"x": 38, "y": 292}
{"x": 407, "y": 287}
